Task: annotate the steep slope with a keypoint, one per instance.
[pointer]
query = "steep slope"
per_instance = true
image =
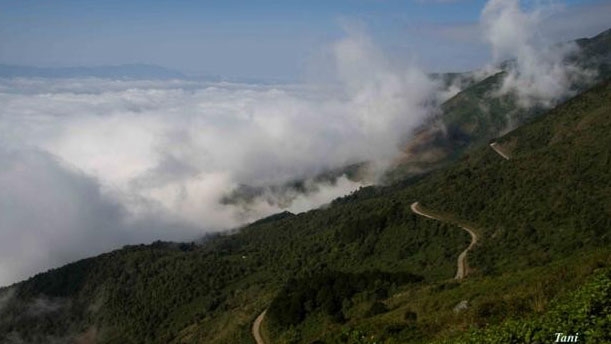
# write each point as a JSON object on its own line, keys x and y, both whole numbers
{"x": 544, "y": 218}
{"x": 557, "y": 181}
{"x": 210, "y": 293}
{"x": 544, "y": 215}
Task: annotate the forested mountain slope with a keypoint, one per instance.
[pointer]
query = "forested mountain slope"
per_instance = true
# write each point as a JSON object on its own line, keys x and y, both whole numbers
{"x": 477, "y": 113}
{"x": 544, "y": 220}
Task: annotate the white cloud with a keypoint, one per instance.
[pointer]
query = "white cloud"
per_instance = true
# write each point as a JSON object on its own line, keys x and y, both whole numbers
{"x": 102, "y": 163}
{"x": 541, "y": 74}
{"x": 47, "y": 213}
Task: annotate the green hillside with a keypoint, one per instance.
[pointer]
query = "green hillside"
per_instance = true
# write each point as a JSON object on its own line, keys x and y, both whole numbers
{"x": 542, "y": 264}
{"x": 476, "y": 114}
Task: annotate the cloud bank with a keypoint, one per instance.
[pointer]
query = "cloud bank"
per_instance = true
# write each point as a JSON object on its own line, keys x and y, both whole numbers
{"x": 53, "y": 213}
{"x": 88, "y": 165}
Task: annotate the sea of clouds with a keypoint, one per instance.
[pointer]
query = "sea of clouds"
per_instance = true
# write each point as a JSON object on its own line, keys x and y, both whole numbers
{"x": 91, "y": 164}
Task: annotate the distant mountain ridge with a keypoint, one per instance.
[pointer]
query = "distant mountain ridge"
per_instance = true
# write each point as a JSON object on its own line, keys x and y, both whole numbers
{"x": 124, "y": 71}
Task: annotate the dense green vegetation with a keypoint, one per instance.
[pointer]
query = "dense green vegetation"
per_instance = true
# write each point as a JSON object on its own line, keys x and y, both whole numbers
{"x": 366, "y": 269}
{"x": 166, "y": 292}
{"x": 331, "y": 292}
{"x": 430, "y": 312}
{"x": 556, "y": 182}
{"x": 549, "y": 202}
{"x": 584, "y": 313}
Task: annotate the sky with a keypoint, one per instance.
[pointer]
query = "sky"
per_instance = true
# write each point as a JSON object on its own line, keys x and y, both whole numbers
{"x": 259, "y": 39}
{"x": 88, "y": 165}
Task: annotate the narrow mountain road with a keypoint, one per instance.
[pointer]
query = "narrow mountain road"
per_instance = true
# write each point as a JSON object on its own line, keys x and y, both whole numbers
{"x": 462, "y": 267}
{"x": 495, "y": 147}
{"x": 256, "y": 328}
{"x": 461, "y": 270}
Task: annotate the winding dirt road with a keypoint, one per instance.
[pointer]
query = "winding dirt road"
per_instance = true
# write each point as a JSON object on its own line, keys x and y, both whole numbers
{"x": 495, "y": 147}
{"x": 256, "y": 328}
{"x": 462, "y": 267}
{"x": 461, "y": 270}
